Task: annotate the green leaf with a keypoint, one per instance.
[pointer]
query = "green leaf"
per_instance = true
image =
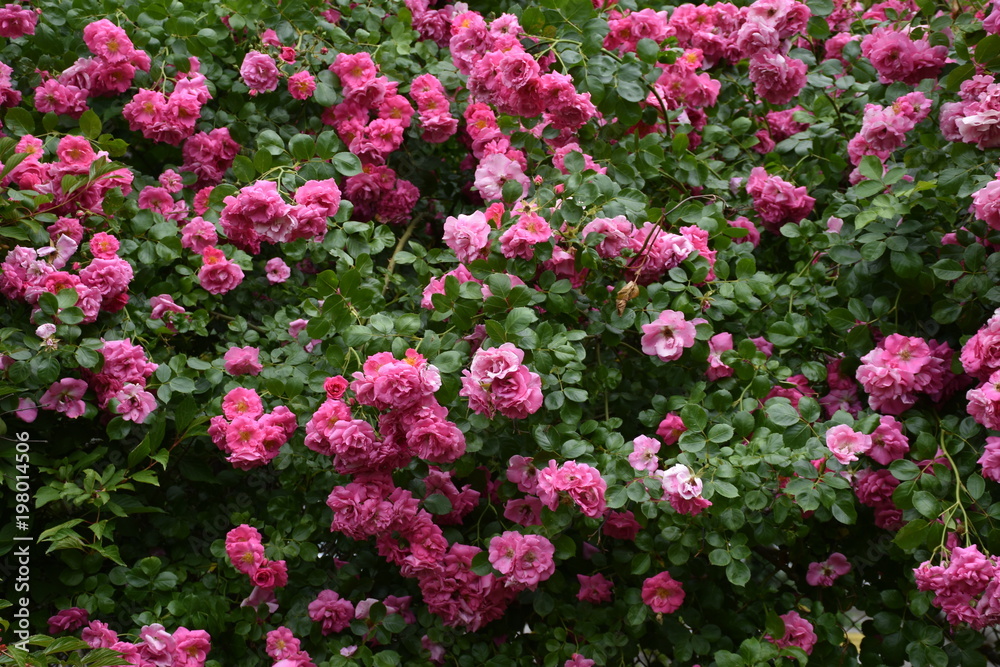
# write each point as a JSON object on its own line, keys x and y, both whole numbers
{"x": 694, "y": 417}
{"x": 19, "y": 121}
{"x": 347, "y": 164}
{"x": 262, "y": 160}
{"x": 719, "y": 557}
{"x": 356, "y": 335}
{"x": 327, "y": 144}
{"x": 843, "y": 254}
{"x": 840, "y": 319}
{"x": 912, "y": 535}
{"x": 72, "y": 315}
{"x": 243, "y": 169}
{"x": 511, "y": 192}
{"x": 302, "y": 147}
{"x": 948, "y": 269}
{"x": 325, "y": 95}
{"x": 782, "y": 413}
{"x": 906, "y": 264}
{"x": 90, "y": 124}
{"x": 975, "y": 485}
{"x": 720, "y": 433}
{"x": 449, "y": 362}
{"x": 437, "y": 503}
{"x": 146, "y": 477}
{"x": 925, "y": 503}
{"x": 738, "y": 573}
{"x": 844, "y": 512}
{"x": 519, "y": 319}
{"x": 871, "y": 167}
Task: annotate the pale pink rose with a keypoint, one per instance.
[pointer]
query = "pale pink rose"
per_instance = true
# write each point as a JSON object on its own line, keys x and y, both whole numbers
{"x": 494, "y": 171}
{"x": 668, "y": 335}
{"x": 468, "y": 236}
{"x": 65, "y": 396}
{"x": 845, "y": 443}
{"x": 243, "y": 361}
{"x": 163, "y": 304}
{"x": 825, "y": 573}
{"x": 259, "y": 72}
{"x": 277, "y": 271}
{"x": 643, "y": 456}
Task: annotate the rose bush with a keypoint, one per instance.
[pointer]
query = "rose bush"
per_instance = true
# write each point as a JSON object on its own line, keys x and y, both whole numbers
{"x": 560, "y": 333}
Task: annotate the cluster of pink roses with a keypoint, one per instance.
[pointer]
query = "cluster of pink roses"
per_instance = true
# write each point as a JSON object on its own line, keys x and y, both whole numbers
{"x": 524, "y": 560}
{"x": 415, "y": 424}
{"x": 498, "y": 381}
{"x": 286, "y": 649}
{"x": 436, "y": 121}
{"x": 503, "y": 74}
{"x": 260, "y": 73}
{"x": 487, "y": 139}
{"x": 975, "y": 119}
{"x": 883, "y": 129}
{"x": 981, "y": 358}
{"x": 16, "y": 21}
{"x": 169, "y": 119}
{"x": 965, "y": 586}
{"x": 681, "y": 86}
{"x": 846, "y": 443}
{"x": 109, "y": 72}
{"x": 777, "y": 201}
{"x": 681, "y": 488}
{"x": 123, "y": 380}
{"x": 27, "y": 273}
{"x": 121, "y": 384}
{"x": 9, "y": 96}
{"x": 258, "y": 213}
{"x": 902, "y": 367}
{"x": 432, "y": 24}
{"x": 246, "y": 434}
{"x": 378, "y": 194}
{"x": 986, "y": 204}
{"x": 843, "y": 394}
{"x": 468, "y": 236}
{"x": 990, "y": 459}
{"x": 579, "y": 483}
{"x": 366, "y": 92}
{"x": 656, "y": 251}
{"x": 160, "y": 198}
{"x": 779, "y": 125}
{"x": 156, "y": 646}
{"x": 75, "y": 156}
{"x": 370, "y": 505}
{"x": 208, "y": 155}
{"x": 764, "y": 37}
{"x": 528, "y": 230}
{"x": 898, "y": 57}
{"x": 246, "y": 553}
